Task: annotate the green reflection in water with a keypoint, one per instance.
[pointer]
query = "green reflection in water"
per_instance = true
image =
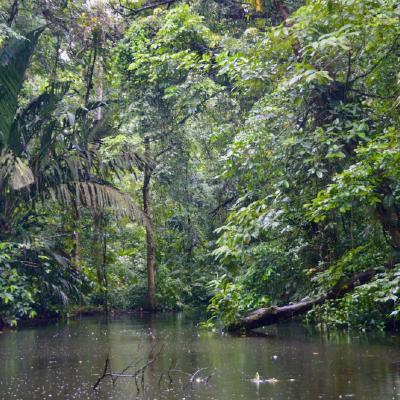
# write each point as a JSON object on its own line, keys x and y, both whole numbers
{"x": 63, "y": 361}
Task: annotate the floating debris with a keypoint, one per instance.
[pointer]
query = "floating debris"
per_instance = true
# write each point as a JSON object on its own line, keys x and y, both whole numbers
{"x": 257, "y": 380}
{"x": 271, "y": 380}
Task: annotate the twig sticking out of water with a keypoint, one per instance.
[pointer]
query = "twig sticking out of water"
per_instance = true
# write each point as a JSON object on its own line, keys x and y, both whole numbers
{"x": 115, "y": 375}
{"x": 173, "y": 365}
{"x": 107, "y": 366}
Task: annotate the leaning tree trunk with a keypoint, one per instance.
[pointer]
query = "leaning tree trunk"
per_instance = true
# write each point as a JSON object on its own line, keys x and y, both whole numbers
{"x": 271, "y": 315}
{"x": 151, "y": 262}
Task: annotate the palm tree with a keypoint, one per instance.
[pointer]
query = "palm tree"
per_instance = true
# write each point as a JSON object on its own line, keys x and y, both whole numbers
{"x": 44, "y": 156}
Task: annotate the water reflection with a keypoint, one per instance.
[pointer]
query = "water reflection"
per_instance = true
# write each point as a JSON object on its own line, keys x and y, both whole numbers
{"x": 63, "y": 361}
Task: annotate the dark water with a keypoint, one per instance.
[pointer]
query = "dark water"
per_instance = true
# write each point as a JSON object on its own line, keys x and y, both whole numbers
{"x": 63, "y": 361}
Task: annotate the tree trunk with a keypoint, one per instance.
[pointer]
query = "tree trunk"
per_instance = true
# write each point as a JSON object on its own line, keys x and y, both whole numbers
{"x": 76, "y": 213}
{"x": 97, "y": 246}
{"x": 105, "y": 274}
{"x": 151, "y": 263}
{"x": 271, "y": 315}
{"x": 99, "y": 254}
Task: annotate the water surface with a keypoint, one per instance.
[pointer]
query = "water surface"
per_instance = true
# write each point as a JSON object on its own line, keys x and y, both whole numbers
{"x": 64, "y": 360}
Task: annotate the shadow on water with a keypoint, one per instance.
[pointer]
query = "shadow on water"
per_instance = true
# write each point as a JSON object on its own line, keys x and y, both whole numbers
{"x": 168, "y": 357}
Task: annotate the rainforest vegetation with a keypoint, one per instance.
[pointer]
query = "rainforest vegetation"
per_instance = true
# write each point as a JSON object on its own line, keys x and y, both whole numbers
{"x": 240, "y": 158}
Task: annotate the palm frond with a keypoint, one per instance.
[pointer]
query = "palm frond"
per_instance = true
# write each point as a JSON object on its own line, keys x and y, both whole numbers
{"x": 98, "y": 196}
{"x": 14, "y": 61}
{"x": 35, "y": 120}
{"x": 22, "y": 175}
{"x": 14, "y": 171}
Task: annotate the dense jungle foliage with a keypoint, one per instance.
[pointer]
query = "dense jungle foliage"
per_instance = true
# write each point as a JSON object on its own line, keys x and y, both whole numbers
{"x": 215, "y": 154}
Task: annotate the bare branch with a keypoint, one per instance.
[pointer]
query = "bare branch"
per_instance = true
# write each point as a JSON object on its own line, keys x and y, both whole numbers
{"x": 105, "y": 373}
{"x": 13, "y": 13}
{"x": 115, "y": 375}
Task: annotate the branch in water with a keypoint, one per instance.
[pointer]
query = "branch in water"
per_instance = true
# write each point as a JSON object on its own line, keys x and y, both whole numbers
{"x": 115, "y": 375}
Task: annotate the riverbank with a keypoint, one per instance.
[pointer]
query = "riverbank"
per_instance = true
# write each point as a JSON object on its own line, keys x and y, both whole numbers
{"x": 76, "y": 313}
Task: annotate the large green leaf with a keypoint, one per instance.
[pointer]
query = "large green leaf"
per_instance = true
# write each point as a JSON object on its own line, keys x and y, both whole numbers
{"x": 14, "y": 60}
{"x": 31, "y": 121}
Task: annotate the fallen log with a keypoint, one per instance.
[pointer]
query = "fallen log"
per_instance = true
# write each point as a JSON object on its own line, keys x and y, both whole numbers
{"x": 271, "y": 315}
